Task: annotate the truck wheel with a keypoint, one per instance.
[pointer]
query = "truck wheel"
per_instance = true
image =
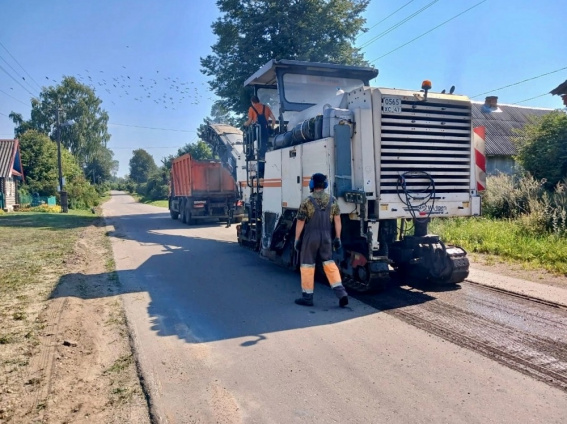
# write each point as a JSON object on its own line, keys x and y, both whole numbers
{"x": 190, "y": 221}
{"x": 182, "y": 213}
{"x": 173, "y": 214}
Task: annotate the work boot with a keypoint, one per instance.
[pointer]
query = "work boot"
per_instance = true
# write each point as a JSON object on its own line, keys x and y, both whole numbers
{"x": 305, "y": 300}
{"x": 341, "y": 294}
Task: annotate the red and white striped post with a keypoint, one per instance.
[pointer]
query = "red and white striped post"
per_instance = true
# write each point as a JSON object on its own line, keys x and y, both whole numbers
{"x": 479, "y": 136}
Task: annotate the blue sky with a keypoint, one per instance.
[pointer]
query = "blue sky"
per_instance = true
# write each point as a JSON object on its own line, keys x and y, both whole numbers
{"x": 150, "y": 51}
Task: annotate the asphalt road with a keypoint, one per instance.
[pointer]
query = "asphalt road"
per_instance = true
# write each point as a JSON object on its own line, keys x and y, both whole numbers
{"x": 219, "y": 339}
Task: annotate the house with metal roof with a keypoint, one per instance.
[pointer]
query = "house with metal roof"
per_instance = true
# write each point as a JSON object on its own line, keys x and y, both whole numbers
{"x": 11, "y": 174}
{"x": 501, "y": 122}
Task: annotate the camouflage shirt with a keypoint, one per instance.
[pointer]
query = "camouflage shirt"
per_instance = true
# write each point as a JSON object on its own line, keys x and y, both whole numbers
{"x": 306, "y": 209}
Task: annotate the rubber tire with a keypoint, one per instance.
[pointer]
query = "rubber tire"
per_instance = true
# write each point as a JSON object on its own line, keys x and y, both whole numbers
{"x": 174, "y": 215}
{"x": 182, "y": 213}
{"x": 188, "y": 219}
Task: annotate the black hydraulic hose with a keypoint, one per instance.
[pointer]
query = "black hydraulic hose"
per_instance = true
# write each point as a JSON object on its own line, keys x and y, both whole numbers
{"x": 425, "y": 196}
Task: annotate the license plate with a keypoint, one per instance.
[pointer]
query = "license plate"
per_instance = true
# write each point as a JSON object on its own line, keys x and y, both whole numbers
{"x": 391, "y": 105}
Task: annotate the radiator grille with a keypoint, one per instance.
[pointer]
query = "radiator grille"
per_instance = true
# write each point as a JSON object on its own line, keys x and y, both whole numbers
{"x": 432, "y": 137}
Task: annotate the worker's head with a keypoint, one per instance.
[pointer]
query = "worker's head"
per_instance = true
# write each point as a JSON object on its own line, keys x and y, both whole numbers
{"x": 318, "y": 182}
{"x": 254, "y": 99}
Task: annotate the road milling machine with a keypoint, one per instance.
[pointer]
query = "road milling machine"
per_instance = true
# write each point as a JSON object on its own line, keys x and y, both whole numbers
{"x": 394, "y": 159}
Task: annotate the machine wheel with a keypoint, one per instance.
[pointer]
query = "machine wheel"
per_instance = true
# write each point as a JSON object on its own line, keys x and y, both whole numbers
{"x": 173, "y": 214}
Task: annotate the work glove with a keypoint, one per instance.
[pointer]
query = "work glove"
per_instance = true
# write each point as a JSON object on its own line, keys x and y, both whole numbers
{"x": 337, "y": 243}
{"x": 297, "y": 245}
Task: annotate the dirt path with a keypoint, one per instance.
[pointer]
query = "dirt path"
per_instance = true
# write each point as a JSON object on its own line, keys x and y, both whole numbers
{"x": 79, "y": 367}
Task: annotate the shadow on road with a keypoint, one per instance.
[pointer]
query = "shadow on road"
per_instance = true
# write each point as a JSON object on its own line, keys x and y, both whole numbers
{"x": 202, "y": 289}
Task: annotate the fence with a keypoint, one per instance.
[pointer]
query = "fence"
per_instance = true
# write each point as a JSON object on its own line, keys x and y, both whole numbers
{"x": 27, "y": 199}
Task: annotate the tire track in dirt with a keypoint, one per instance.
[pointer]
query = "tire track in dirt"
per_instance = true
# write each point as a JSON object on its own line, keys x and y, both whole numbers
{"x": 41, "y": 366}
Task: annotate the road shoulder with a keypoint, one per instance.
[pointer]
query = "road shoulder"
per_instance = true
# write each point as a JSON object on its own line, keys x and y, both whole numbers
{"x": 538, "y": 284}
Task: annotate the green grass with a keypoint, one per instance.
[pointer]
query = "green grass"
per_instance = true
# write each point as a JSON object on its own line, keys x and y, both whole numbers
{"x": 34, "y": 244}
{"x": 506, "y": 239}
{"x": 120, "y": 364}
{"x": 158, "y": 203}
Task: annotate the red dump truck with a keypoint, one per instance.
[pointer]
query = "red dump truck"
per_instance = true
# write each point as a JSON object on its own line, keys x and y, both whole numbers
{"x": 201, "y": 190}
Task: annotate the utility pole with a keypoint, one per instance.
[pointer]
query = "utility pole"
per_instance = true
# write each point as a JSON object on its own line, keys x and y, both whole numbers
{"x": 62, "y": 194}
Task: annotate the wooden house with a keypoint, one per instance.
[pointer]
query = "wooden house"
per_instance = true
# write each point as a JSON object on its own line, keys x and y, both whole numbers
{"x": 501, "y": 122}
{"x": 11, "y": 174}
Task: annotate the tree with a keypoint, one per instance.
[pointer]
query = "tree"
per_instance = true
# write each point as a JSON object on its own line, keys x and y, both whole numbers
{"x": 39, "y": 160}
{"x": 542, "y": 148}
{"x": 141, "y": 166}
{"x": 100, "y": 166}
{"x": 75, "y": 101}
{"x": 251, "y": 32}
{"x": 157, "y": 187}
{"x": 198, "y": 151}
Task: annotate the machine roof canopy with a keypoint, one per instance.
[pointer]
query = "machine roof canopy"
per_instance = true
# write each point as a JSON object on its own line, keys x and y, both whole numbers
{"x": 266, "y": 75}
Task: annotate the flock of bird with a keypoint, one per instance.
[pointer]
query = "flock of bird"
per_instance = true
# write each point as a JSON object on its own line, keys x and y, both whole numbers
{"x": 164, "y": 91}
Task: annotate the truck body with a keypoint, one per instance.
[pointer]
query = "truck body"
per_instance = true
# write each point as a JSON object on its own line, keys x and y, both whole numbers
{"x": 202, "y": 190}
{"x": 394, "y": 158}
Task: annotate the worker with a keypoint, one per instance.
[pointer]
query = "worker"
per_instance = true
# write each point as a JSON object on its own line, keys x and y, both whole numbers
{"x": 316, "y": 215}
{"x": 260, "y": 113}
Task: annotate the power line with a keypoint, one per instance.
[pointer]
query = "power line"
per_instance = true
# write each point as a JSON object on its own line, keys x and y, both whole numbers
{"x": 427, "y": 32}
{"x": 399, "y": 24}
{"x": 20, "y": 65}
{"x": 151, "y": 128}
{"x": 16, "y": 72}
{"x": 519, "y": 82}
{"x": 145, "y": 147}
{"x": 531, "y": 98}
{"x": 390, "y": 15}
{"x": 3, "y": 92}
{"x": 3, "y": 114}
{"x": 18, "y": 82}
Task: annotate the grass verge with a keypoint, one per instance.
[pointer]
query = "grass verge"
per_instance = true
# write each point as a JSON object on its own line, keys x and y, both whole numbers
{"x": 158, "y": 203}
{"x": 35, "y": 250}
{"x": 507, "y": 239}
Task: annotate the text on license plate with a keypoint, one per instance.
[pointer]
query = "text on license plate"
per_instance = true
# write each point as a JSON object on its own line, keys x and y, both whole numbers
{"x": 391, "y": 105}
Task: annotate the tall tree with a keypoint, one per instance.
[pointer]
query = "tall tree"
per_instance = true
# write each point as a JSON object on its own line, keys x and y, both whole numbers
{"x": 72, "y": 101}
{"x": 142, "y": 164}
{"x": 542, "y": 148}
{"x": 39, "y": 160}
{"x": 251, "y": 32}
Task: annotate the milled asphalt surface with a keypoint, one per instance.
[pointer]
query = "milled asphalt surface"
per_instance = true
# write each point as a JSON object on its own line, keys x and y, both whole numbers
{"x": 218, "y": 339}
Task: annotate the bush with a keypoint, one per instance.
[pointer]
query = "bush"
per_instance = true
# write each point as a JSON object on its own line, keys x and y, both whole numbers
{"x": 43, "y": 208}
{"x": 102, "y": 188}
{"x": 130, "y": 186}
{"x": 526, "y": 200}
{"x": 81, "y": 194}
{"x": 156, "y": 188}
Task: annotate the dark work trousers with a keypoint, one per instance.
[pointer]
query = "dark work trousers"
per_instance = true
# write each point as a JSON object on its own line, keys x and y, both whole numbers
{"x": 317, "y": 241}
